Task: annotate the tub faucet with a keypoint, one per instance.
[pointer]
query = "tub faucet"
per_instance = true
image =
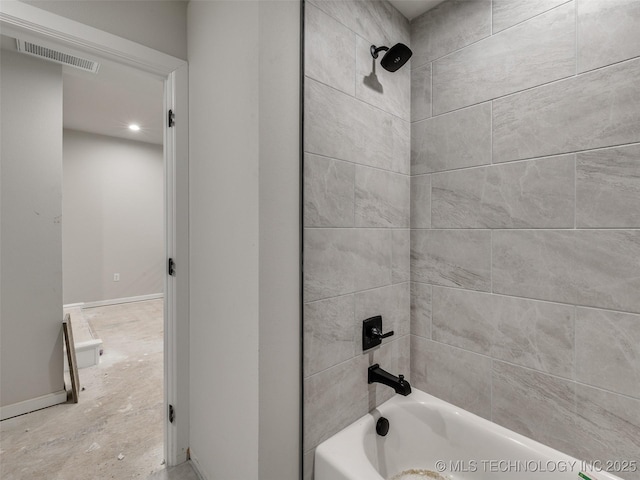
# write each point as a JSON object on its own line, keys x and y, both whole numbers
{"x": 399, "y": 384}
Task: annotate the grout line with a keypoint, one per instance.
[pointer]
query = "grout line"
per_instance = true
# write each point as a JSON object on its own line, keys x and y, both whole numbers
{"x": 544, "y": 84}
{"x": 613, "y": 392}
{"x": 356, "y": 292}
{"x": 491, "y": 260}
{"x": 552, "y": 302}
{"x": 431, "y": 89}
{"x": 576, "y": 39}
{"x": 431, "y": 322}
{"x": 495, "y": 360}
{"x": 355, "y": 64}
{"x": 491, "y": 130}
{"x": 351, "y": 162}
{"x": 430, "y": 201}
{"x": 505, "y": 228}
{"x": 493, "y": 34}
{"x": 491, "y": 17}
{"x": 535, "y": 16}
{"x": 575, "y": 191}
{"x": 484, "y": 165}
{"x": 358, "y": 99}
{"x": 575, "y": 344}
{"x": 491, "y": 390}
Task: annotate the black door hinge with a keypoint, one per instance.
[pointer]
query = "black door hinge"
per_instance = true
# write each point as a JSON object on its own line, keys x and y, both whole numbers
{"x": 172, "y": 414}
{"x": 172, "y": 118}
{"x": 172, "y": 267}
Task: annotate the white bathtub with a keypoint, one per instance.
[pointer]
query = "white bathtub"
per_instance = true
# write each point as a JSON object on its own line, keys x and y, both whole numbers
{"x": 429, "y": 438}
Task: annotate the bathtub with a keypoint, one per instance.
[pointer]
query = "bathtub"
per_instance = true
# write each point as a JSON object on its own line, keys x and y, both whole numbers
{"x": 431, "y": 439}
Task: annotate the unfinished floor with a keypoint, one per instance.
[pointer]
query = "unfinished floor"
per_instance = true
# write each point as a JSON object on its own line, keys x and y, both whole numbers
{"x": 120, "y": 410}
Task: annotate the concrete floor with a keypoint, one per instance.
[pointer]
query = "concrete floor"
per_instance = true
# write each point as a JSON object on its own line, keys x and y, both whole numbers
{"x": 120, "y": 411}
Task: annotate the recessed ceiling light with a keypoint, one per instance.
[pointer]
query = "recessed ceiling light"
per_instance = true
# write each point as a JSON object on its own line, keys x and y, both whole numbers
{"x": 134, "y": 126}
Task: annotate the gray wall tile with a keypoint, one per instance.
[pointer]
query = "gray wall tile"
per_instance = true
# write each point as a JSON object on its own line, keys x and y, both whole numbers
{"x": 381, "y": 198}
{"x": 534, "y": 404}
{"x": 608, "y": 428}
{"x": 328, "y": 333}
{"x": 534, "y": 264}
{"x": 329, "y": 52}
{"x": 419, "y": 347}
{"x": 455, "y": 140}
{"x": 338, "y": 396}
{"x": 587, "y": 267}
{"x": 607, "y": 273}
{"x": 391, "y": 302}
{"x": 538, "y": 51}
{"x": 344, "y": 134}
{"x": 564, "y": 373}
{"x": 597, "y": 21}
{"x": 389, "y": 91}
{"x": 421, "y": 309}
{"x": 368, "y": 19}
{"x": 372, "y": 260}
{"x": 448, "y": 27}
{"x": 533, "y": 334}
{"x": 608, "y": 350}
{"x": 597, "y": 109}
{"x": 608, "y": 188}
{"x": 463, "y": 318}
{"x": 421, "y": 93}
{"x": 421, "y": 201}
{"x": 329, "y": 262}
{"x": 454, "y": 375}
{"x": 530, "y": 194}
{"x": 333, "y": 399}
{"x": 342, "y": 127}
{"x": 400, "y": 252}
{"x": 452, "y": 258}
{"x": 328, "y": 192}
{"x": 507, "y": 13}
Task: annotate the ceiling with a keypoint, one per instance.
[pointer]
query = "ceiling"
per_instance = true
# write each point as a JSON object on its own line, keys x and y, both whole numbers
{"x": 107, "y": 102}
{"x": 414, "y": 8}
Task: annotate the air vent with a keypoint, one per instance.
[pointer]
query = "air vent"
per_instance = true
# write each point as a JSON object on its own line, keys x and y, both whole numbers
{"x": 57, "y": 56}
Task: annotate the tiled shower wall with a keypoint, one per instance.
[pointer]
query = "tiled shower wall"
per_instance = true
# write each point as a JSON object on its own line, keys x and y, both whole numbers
{"x": 525, "y": 248}
{"x": 356, "y": 211}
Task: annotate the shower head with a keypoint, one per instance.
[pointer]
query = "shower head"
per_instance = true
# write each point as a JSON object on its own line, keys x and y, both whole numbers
{"x": 395, "y": 57}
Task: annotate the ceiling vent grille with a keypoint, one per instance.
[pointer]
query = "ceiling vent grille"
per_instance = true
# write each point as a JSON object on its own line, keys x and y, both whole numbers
{"x": 57, "y": 56}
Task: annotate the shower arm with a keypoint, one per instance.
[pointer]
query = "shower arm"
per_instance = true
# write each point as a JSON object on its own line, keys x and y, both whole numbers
{"x": 374, "y": 51}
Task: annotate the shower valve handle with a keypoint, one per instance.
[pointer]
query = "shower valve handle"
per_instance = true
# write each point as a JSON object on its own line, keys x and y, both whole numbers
{"x": 376, "y": 333}
{"x": 372, "y": 334}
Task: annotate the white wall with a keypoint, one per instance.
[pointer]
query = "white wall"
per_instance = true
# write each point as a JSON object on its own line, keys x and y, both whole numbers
{"x": 113, "y": 207}
{"x": 159, "y": 24}
{"x": 31, "y": 235}
{"x": 224, "y": 232}
{"x": 244, "y": 219}
{"x": 279, "y": 80}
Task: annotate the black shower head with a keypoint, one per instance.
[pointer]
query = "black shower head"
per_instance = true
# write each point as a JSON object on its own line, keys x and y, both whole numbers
{"x": 395, "y": 57}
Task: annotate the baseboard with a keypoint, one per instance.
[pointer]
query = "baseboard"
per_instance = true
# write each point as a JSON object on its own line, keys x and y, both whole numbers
{"x": 87, "y": 354}
{"x": 116, "y": 301}
{"x": 33, "y": 404}
{"x": 73, "y": 305}
{"x": 196, "y": 468}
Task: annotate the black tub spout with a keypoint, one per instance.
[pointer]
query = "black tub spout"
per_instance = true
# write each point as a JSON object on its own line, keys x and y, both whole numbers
{"x": 399, "y": 384}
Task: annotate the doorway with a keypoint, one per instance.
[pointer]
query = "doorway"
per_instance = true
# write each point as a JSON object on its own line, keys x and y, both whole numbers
{"x": 33, "y": 24}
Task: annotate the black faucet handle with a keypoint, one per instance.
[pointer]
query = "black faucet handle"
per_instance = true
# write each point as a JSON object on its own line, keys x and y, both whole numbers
{"x": 372, "y": 332}
{"x": 376, "y": 333}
